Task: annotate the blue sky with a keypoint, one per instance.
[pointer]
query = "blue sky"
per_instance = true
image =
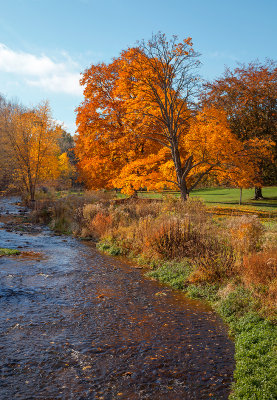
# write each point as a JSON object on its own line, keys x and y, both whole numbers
{"x": 46, "y": 44}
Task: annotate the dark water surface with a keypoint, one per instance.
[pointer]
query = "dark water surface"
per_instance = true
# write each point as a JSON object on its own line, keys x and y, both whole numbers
{"x": 76, "y": 324}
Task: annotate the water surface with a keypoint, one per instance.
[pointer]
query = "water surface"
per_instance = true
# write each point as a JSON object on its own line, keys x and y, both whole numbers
{"x": 76, "y": 324}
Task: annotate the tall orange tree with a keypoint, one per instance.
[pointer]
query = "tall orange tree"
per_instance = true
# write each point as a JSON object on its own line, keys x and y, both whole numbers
{"x": 248, "y": 94}
{"x": 138, "y": 126}
{"x": 135, "y": 106}
{"x": 105, "y": 145}
{"x": 161, "y": 76}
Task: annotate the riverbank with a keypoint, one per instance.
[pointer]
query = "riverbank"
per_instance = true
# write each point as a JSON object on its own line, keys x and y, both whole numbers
{"x": 231, "y": 263}
{"x": 255, "y": 336}
{"x": 79, "y": 324}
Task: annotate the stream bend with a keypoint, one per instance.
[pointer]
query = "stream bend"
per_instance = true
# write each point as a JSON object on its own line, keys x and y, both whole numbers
{"x": 76, "y": 324}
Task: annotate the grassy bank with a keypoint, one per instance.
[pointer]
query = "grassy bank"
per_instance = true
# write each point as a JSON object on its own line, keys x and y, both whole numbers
{"x": 255, "y": 337}
{"x": 229, "y": 262}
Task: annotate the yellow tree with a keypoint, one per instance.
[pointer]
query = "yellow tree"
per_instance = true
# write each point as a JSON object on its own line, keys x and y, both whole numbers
{"x": 32, "y": 145}
{"x": 6, "y": 168}
{"x": 160, "y": 75}
{"x": 231, "y": 160}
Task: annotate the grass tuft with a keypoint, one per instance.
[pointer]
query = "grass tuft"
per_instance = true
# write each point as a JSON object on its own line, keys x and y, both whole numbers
{"x": 8, "y": 252}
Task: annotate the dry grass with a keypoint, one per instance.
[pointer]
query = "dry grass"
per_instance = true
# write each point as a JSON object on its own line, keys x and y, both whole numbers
{"x": 246, "y": 233}
{"x": 218, "y": 251}
{"x": 259, "y": 272}
{"x": 260, "y": 268}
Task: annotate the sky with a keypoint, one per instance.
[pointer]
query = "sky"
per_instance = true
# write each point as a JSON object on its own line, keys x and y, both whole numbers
{"x": 45, "y": 45}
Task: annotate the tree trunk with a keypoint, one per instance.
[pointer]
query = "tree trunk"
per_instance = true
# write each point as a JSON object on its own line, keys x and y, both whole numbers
{"x": 184, "y": 193}
{"x": 32, "y": 192}
{"x": 240, "y": 196}
{"x": 258, "y": 193}
{"x": 179, "y": 170}
{"x": 134, "y": 195}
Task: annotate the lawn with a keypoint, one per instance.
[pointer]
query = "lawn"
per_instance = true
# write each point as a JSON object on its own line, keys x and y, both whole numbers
{"x": 231, "y": 196}
{"x": 227, "y": 198}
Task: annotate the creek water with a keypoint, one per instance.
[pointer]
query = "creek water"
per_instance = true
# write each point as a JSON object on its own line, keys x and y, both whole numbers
{"x": 76, "y": 324}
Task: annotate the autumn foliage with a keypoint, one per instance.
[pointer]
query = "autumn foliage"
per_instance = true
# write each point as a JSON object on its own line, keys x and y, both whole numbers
{"x": 139, "y": 127}
{"x": 248, "y": 96}
{"x": 30, "y": 152}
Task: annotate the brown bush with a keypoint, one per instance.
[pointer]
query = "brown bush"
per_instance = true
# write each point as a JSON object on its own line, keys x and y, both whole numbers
{"x": 215, "y": 263}
{"x": 260, "y": 268}
{"x": 246, "y": 233}
{"x": 101, "y": 224}
{"x": 259, "y": 273}
{"x": 176, "y": 238}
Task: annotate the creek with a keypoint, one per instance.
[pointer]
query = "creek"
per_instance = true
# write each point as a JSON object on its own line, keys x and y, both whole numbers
{"x": 77, "y": 324}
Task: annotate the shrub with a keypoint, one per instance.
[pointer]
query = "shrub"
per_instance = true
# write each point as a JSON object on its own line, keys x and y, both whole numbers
{"x": 176, "y": 238}
{"x": 101, "y": 223}
{"x": 246, "y": 233}
{"x": 214, "y": 264}
{"x": 90, "y": 210}
{"x": 260, "y": 268}
{"x": 61, "y": 218}
{"x": 259, "y": 272}
{"x": 42, "y": 213}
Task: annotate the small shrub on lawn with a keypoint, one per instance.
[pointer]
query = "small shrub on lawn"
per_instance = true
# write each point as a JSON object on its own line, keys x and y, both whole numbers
{"x": 90, "y": 210}
{"x": 101, "y": 224}
{"x": 176, "y": 238}
{"x": 61, "y": 217}
{"x": 260, "y": 268}
{"x": 259, "y": 272}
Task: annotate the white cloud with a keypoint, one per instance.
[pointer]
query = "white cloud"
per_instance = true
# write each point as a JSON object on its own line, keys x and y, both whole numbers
{"x": 41, "y": 71}
{"x": 64, "y": 83}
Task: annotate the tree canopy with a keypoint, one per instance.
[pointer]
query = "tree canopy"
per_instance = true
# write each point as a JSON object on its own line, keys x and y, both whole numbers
{"x": 139, "y": 125}
{"x": 29, "y": 152}
{"x": 248, "y": 95}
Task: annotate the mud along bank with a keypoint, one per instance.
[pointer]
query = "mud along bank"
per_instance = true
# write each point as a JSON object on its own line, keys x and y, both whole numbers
{"x": 76, "y": 324}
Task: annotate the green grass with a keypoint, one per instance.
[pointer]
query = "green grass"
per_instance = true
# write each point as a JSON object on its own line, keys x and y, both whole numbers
{"x": 9, "y": 252}
{"x": 255, "y": 338}
{"x": 226, "y": 197}
{"x": 172, "y": 273}
{"x": 231, "y": 196}
{"x": 110, "y": 248}
{"x": 255, "y": 347}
